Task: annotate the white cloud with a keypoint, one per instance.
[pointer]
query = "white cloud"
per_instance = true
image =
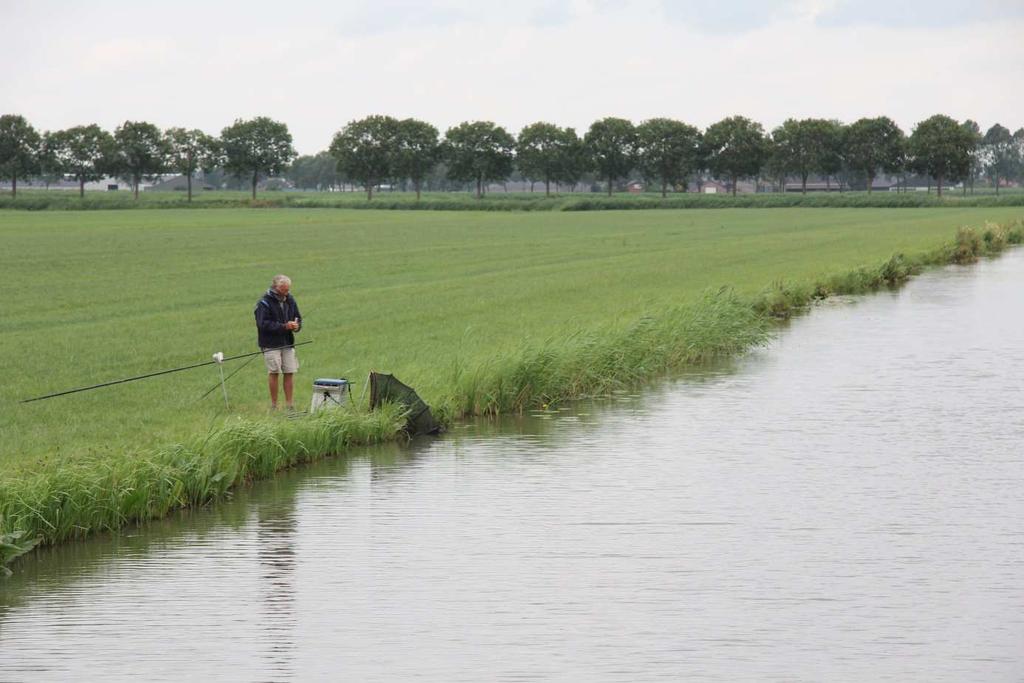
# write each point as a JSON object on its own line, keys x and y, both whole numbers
{"x": 312, "y": 67}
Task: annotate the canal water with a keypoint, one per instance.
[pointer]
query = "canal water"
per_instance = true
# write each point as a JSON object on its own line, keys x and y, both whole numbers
{"x": 847, "y": 504}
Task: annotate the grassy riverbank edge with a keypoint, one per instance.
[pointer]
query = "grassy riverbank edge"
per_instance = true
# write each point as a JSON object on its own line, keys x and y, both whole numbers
{"x": 98, "y": 493}
{"x": 451, "y": 201}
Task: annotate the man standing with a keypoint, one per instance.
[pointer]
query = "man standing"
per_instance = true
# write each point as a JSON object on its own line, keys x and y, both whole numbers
{"x": 277, "y": 321}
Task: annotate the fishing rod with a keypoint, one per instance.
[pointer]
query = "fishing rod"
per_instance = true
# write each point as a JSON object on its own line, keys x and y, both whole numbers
{"x": 221, "y": 383}
{"x": 162, "y": 372}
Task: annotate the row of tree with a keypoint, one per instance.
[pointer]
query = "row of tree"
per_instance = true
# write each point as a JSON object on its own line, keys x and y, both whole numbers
{"x": 381, "y": 149}
{"x": 138, "y": 150}
{"x": 939, "y": 148}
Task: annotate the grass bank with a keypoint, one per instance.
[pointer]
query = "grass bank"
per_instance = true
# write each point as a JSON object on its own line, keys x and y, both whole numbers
{"x": 107, "y": 294}
{"x": 37, "y": 200}
{"x": 720, "y": 324}
{"x": 483, "y": 313}
{"x": 96, "y": 493}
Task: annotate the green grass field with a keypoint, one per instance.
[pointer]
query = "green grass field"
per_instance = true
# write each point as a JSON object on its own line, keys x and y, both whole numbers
{"x": 94, "y": 296}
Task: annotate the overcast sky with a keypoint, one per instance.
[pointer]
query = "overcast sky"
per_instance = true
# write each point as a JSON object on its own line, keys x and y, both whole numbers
{"x": 318, "y": 65}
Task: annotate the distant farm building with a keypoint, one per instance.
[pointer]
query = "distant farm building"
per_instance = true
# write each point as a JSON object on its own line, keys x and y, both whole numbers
{"x": 107, "y": 184}
{"x": 711, "y": 187}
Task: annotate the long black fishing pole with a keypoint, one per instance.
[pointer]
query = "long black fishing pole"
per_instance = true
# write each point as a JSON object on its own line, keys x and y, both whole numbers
{"x": 162, "y": 372}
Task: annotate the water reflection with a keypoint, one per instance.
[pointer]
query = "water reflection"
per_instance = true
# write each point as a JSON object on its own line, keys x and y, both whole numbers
{"x": 276, "y": 538}
{"x": 842, "y": 506}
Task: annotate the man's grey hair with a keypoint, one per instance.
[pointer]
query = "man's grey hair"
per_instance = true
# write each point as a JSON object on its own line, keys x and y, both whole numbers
{"x": 280, "y": 280}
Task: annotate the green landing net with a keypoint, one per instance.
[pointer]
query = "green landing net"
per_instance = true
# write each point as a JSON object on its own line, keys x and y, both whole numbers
{"x": 388, "y": 389}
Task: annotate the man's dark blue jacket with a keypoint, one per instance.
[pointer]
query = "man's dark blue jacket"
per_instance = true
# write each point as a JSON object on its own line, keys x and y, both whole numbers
{"x": 271, "y": 315}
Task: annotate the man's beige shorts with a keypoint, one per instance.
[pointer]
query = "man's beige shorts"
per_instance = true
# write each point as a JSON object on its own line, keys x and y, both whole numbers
{"x": 281, "y": 360}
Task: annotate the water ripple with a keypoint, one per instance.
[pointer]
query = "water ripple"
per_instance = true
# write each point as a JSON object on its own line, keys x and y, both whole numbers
{"x": 843, "y": 506}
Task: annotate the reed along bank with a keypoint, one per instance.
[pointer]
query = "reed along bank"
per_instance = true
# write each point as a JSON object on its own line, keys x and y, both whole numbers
{"x": 484, "y": 314}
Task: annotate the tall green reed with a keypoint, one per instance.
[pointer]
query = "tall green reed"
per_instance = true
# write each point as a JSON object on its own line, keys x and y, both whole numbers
{"x": 94, "y": 494}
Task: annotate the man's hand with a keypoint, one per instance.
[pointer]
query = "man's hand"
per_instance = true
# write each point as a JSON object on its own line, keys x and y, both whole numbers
{"x": 291, "y": 325}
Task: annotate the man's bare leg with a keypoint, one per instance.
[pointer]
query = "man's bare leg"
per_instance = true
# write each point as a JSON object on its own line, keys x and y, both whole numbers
{"x": 288, "y": 390}
{"x": 272, "y": 383}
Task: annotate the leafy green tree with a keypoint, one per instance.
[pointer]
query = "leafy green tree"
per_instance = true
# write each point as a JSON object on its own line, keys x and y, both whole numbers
{"x": 548, "y": 153}
{"x": 806, "y": 146}
{"x": 941, "y": 148}
{"x": 871, "y": 145}
{"x": 256, "y": 148}
{"x": 417, "y": 151}
{"x": 830, "y": 160}
{"x": 575, "y": 160}
{"x": 328, "y": 177}
{"x": 438, "y": 178}
{"x": 478, "y": 151}
{"x": 793, "y": 150}
{"x": 1018, "y": 143}
{"x": 667, "y": 151}
{"x": 20, "y": 147}
{"x": 140, "y": 151}
{"x": 1000, "y": 153}
{"x": 301, "y": 172}
{"x": 976, "y": 167}
{"x": 49, "y": 168}
{"x": 83, "y": 152}
{"x": 703, "y": 164}
{"x": 775, "y": 161}
{"x": 318, "y": 172}
{"x": 736, "y": 148}
{"x": 366, "y": 150}
{"x": 611, "y": 146}
{"x": 190, "y": 151}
